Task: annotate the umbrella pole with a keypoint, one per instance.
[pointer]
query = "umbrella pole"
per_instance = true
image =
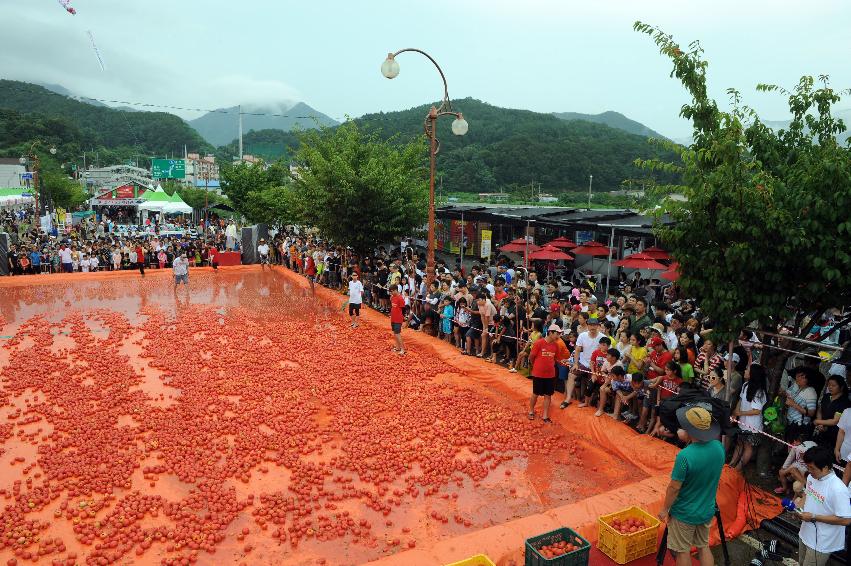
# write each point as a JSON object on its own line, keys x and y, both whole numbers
{"x": 609, "y": 268}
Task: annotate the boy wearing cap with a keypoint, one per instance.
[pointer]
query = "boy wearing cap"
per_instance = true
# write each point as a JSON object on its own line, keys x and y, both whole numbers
{"x": 690, "y": 499}
{"x": 543, "y": 359}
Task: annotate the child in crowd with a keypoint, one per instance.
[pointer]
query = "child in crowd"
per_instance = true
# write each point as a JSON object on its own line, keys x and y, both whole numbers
{"x": 619, "y": 381}
{"x": 534, "y": 336}
{"x": 591, "y": 381}
{"x": 447, "y": 313}
{"x": 625, "y": 398}
{"x": 794, "y": 469}
{"x": 611, "y": 372}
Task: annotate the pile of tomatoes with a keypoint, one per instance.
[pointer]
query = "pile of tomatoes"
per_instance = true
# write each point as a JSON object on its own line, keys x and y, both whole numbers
{"x": 629, "y": 526}
{"x": 557, "y": 549}
{"x": 150, "y": 435}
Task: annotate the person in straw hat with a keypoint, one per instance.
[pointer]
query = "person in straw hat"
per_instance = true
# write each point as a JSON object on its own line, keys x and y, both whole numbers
{"x": 690, "y": 499}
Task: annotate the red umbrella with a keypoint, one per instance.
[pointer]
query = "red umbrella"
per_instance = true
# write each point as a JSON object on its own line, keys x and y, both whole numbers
{"x": 672, "y": 274}
{"x": 520, "y": 245}
{"x": 641, "y": 261}
{"x": 562, "y": 242}
{"x": 657, "y": 253}
{"x": 550, "y": 253}
{"x": 594, "y": 249}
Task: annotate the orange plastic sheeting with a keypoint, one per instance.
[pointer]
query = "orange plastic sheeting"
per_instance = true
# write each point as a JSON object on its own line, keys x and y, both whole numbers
{"x": 602, "y": 466}
{"x": 504, "y": 543}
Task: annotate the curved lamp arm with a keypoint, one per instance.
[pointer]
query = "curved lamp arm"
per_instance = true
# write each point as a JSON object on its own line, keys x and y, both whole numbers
{"x": 446, "y": 105}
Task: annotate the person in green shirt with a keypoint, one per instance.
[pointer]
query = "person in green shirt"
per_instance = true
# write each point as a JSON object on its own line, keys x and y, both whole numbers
{"x": 681, "y": 357}
{"x": 690, "y": 499}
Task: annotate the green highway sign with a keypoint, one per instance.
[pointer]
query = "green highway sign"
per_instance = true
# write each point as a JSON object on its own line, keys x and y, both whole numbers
{"x": 168, "y": 169}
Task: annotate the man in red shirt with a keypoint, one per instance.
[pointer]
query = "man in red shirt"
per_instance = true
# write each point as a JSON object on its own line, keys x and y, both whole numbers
{"x": 543, "y": 359}
{"x": 397, "y": 318}
{"x": 140, "y": 258}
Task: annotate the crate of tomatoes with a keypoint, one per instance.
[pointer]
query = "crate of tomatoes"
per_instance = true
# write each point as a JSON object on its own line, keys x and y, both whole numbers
{"x": 477, "y": 560}
{"x": 561, "y": 547}
{"x": 628, "y": 534}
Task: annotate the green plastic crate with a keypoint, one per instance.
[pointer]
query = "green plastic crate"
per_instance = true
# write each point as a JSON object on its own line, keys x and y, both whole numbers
{"x": 578, "y": 557}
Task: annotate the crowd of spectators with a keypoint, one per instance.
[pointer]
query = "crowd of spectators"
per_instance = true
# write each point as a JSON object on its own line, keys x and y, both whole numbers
{"x": 629, "y": 350}
{"x": 104, "y": 244}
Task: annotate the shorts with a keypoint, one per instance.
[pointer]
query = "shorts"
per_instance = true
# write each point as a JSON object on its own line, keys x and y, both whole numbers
{"x": 624, "y": 386}
{"x": 752, "y": 438}
{"x": 682, "y": 536}
{"x": 67, "y": 267}
{"x": 545, "y": 386}
{"x": 474, "y": 333}
{"x": 396, "y": 327}
{"x": 184, "y": 278}
{"x": 354, "y": 309}
{"x": 264, "y": 260}
{"x": 650, "y": 399}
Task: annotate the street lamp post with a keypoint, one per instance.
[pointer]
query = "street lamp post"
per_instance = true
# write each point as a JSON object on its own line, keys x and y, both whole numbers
{"x": 590, "y": 179}
{"x": 32, "y": 159}
{"x": 390, "y": 69}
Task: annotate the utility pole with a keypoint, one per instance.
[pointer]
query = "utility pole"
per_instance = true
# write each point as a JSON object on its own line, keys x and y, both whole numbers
{"x": 240, "y": 132}
{"x": 590, "y": 179}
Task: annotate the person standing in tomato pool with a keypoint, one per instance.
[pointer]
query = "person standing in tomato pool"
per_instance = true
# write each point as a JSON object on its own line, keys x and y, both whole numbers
{"x": 397, "y": 318}
{"x": 140, "y": 258}
{"x": 213, "y": 254}
{"x": 310, "y": 270}
{"x": 545, "y": 353}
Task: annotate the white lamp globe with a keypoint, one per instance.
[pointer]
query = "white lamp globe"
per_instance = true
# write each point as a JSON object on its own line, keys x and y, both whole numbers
{"x": 22, "y": 160}
{"x": 460, "y": 126}
{"x": 390, "y": 68}
{"x": 52, "y": 151}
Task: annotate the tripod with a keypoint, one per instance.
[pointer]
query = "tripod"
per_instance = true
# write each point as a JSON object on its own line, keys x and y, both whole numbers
{"x": 660, "y": 554}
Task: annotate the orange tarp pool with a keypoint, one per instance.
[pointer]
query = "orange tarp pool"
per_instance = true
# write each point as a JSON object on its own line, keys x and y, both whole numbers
{"x": 243, "y": 420}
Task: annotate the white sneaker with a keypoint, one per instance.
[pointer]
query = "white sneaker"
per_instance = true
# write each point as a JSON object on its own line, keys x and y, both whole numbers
{"x": 512, "y": 370}
{"x": 598, "y": 414}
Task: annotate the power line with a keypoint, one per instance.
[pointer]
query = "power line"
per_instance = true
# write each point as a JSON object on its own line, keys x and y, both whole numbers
{"x": 171, "y": 107}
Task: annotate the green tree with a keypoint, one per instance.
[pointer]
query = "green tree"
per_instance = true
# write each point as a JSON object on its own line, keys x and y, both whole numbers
{"x": 764, "y": 235}
{"x": 243, "y": 178}
{"x": 62, "y": 191}
{"x": 198, "y": 198}
{"x": 274, "y": 206}
{"x": 358, "y": 189}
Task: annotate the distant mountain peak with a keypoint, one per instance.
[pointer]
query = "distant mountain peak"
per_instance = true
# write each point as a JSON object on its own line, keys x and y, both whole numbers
{"x": 613, "y": 120}
{"x": 222, "y": 126}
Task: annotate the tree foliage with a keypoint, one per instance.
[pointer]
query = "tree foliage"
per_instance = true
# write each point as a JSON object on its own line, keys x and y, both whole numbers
{"x": 159, "y": 133}
{"x": 507, "y": 146}
{"x": 243, "y": 182}
{"x": 764, "y": 234}
{"x": 62, "y": 191}
{"x": 359, "y": 189}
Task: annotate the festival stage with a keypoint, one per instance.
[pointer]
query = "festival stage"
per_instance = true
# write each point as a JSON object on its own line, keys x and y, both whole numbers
{"x": 243, "y": 421}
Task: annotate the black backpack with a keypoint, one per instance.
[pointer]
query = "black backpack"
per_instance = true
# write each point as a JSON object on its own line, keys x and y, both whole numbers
{"x": 691, "y": 396}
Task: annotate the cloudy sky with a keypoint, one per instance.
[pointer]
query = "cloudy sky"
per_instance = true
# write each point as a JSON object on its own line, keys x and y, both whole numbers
{"x": 542, "y": 55}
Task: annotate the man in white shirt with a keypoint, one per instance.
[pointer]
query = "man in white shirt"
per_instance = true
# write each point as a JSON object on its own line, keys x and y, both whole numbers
{"x": 65, "y": 258}
{"x": 355, "y": 299}
{"x": 263, "y": 250}
{"x": 586, "y": 343}
{"x": 180, "y": 265}
{"x": 827, "y": 510}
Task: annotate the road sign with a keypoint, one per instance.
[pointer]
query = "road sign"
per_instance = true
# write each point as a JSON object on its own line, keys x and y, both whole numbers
{"x": 26, "y": 194}
{"x": 26, "y": 176}
{"x": 168, "y": 169}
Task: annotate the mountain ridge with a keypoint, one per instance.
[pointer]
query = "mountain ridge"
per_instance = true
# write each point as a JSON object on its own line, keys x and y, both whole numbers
{"x": 612, "y": 119}
{"x": 221, "y": 126}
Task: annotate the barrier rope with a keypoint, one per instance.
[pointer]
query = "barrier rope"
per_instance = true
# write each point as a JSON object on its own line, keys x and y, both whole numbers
{"x": 595, "y": 374}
